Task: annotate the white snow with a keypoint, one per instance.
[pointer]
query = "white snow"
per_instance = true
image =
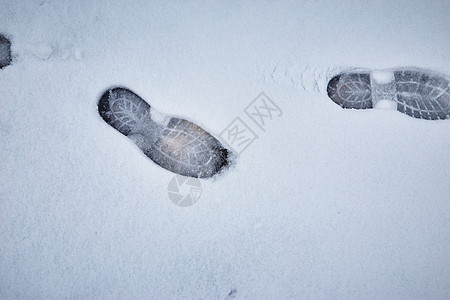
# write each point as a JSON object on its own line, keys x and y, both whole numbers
{"x": 326, "y": 204}
{"x": 41, "y": 50}
{"x": 386, "y": 104}
{"x": 382, "y": 76}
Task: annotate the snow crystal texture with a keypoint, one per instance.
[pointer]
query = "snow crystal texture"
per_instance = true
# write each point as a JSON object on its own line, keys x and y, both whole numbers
{"x": 327, "y": 203}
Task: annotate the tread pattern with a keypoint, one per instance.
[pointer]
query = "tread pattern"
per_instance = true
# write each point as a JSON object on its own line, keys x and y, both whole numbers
{"x": 5, "y": 51}
{"x": 351, "y": 90}
{"x": 123, "y": 109}
{"x": 185, "y": 147}
{"x": 179, "y": 146}
{"x": 423, "y": 96}
{"x": 419, "y": 94}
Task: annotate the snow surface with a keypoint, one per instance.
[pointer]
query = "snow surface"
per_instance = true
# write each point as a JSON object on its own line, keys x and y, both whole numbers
{"x": 383, "y": 76}
{"x": 326, "y": 204}
{"x": 386, "y": 104}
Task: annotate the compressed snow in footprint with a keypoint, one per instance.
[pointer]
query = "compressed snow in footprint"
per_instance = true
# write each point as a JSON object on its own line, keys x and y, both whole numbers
{"x": 351, "y": 90}
{"x": 5, "y": 51}
{"x": 418, "y": 93}
{"x": 175, "y": 144}
{"x": 423, "y": 95}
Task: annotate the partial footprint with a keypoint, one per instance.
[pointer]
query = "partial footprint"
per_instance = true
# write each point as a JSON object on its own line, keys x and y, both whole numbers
{"x": 415, "y": 92}
{"x": 5, "y": 51}
{"x": 175, "y": 144}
